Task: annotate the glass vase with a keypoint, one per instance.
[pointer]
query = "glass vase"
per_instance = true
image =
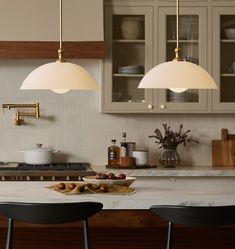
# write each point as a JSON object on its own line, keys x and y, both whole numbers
{"x": 169, "y": 157}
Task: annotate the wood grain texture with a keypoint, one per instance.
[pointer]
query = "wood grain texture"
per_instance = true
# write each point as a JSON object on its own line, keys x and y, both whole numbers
{"x": 118, "y": 229}
{"x": 48, "y": 50}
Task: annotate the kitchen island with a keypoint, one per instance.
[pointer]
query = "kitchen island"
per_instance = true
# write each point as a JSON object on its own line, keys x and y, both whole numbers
{"x": 125, "y": 221}
{"x": 149, "y": 191}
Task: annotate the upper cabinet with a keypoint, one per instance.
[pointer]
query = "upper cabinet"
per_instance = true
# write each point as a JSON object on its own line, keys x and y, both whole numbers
{"x": 193, "y": 42}
{"x": 206, "y": 37}
{"x": 129, "y": 34}
{"x": 224, "y": 58}
{"x": 31, "y": 20}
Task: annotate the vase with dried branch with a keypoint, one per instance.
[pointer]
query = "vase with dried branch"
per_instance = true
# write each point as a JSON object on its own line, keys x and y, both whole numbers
{"x": 168, "y": 142}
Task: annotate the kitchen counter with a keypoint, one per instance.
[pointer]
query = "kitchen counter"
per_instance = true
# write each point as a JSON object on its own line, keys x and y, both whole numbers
{"x": 189, "y": 171}
{"x": 149, "y": 191}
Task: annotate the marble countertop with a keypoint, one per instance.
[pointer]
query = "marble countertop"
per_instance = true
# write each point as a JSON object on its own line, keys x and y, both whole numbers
{"x": 190, "y": 171}
{"x": 149, "y": 191}
{"x": 180, "y": 171}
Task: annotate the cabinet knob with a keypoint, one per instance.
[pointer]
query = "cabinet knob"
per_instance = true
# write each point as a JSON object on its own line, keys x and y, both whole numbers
{"x": 162, "y": 106}
{"x": 150, "y": 107}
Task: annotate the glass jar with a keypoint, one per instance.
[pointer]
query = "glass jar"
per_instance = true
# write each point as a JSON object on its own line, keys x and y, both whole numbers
{"x": 169, "y": 157}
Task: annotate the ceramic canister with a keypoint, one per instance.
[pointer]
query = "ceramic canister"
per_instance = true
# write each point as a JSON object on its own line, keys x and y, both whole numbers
{"x": 141, "y": 157}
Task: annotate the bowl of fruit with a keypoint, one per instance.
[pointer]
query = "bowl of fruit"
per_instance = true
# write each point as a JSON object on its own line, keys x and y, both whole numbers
{"x": 110, "y": 179}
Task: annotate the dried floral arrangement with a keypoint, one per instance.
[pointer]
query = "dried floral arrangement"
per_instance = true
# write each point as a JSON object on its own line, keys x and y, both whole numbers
{"x": 171, "y": 139}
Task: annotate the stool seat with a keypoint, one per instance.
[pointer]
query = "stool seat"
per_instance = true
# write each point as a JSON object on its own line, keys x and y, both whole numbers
{"x": 49, "y": 213}
{"x": 197, "y": 216}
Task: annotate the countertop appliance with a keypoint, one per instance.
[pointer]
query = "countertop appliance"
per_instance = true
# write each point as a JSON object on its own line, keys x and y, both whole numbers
{"x": 48, "y": 172}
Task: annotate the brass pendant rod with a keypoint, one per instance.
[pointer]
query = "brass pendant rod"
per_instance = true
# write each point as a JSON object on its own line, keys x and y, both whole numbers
{"x": 177, "y": 49}
{"x": 177, "y": 23}
{"x": 60, "y": 24}
{"x": 60, "y": 50}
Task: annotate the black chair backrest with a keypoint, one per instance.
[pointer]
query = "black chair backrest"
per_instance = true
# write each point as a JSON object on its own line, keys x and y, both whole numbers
{"x": 203, "y": 216}
{"x": 50, "y": 213}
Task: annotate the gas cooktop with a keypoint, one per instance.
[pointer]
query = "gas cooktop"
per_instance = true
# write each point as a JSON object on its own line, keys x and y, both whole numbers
{"x": 54, "y": 171}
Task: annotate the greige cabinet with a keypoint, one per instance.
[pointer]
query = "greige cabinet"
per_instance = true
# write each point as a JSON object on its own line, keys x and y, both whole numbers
{"x": 129, "y": 34}
{"x": 193, "y": 42}
{"x": 224, "y": 58}
{"x": 207, "y": 38}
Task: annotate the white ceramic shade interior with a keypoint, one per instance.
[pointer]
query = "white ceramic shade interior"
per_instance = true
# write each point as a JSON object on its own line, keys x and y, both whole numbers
{"x": 60, "y": 77}
{"x": 178, "y": 76}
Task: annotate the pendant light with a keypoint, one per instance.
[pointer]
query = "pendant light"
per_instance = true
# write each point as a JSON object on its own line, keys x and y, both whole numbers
{"x": 60, "y": 76}
{"x": 177, "y": 75}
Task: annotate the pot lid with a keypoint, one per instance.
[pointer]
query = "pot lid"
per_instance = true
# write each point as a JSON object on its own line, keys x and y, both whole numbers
{"x": 39, "y": 148}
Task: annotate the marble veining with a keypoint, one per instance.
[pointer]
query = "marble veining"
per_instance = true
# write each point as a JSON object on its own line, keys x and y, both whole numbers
{"x": 190, "y": 171}
{"x": 149, "y": 191}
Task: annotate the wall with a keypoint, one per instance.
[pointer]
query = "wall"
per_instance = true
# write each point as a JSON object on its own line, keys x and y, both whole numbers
{"x": 33, "y": 20}
{"x": 73, "y": 123}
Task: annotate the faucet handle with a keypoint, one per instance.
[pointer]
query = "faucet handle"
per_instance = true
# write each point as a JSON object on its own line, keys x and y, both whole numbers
{"x": 39, "y": 145}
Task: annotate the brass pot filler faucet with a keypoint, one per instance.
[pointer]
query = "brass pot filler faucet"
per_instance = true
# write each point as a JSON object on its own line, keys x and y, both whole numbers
{"x": 19, "y": 120}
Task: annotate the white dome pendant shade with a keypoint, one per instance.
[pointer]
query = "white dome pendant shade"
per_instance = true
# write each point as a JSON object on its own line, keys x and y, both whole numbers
{"x": 177, "y": 75}
{"x": 59, "y": 76}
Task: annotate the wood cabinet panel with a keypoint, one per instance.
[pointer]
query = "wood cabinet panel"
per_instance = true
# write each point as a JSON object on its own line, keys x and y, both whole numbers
{"x": 48, "y": 50}
{"x": 118, "y": 229}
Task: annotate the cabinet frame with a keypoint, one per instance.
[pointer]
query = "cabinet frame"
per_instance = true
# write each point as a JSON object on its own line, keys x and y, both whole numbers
{"x": 107, "y": 104}
{"x": 163, "y": 12}
{"x": 217, "y": 104}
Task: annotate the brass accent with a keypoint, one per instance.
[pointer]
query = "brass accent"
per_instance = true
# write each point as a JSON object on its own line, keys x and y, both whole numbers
{"x": 61, "y": 55}
{"x": 19, "y": 120}
{"x": 177, "y": 49}
{"x": 178, "y": 55}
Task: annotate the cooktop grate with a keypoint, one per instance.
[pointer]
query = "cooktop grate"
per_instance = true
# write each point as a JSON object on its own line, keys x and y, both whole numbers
{"x": 54, "y": 167}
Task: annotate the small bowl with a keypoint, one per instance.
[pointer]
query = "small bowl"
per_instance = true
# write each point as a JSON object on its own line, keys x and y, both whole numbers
{"x": 121, "y": 182}
{"x": 230, "y": 33}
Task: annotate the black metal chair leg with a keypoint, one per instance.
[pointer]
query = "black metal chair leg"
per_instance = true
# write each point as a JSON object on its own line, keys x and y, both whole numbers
{"x": 9, "y": 234}
{"x": 169, "y": 236}
{"x": 86, "y": 234}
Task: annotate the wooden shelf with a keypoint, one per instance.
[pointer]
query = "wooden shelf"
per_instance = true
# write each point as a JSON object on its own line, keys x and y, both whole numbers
{"x": 48, "y": 50}
{"x": 128, "y": 41}
{"x": 228, "y": 40}
{"x": 127, "y": 75}
{"x": 183, "y": 41}
{"x": 228, "y": 75}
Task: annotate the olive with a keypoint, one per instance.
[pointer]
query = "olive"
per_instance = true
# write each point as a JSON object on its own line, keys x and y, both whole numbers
{"x": 61, "y": 186}
{"x": 104, "y": 188}
{"x": 122, "y": 176}
{"x": 98, "y": 176}
{"x": 72, "y": 186}
{"x": 111, "y": 176}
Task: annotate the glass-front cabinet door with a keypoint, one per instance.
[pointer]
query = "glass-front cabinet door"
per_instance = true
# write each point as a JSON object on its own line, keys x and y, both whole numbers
{"x": 224, "y": 58}
{"x": 193, "y": 42}
{"x": 128, "y": 32}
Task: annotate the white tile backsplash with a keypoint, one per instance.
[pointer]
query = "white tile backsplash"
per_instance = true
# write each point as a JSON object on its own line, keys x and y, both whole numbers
{"x": 73, "y": 123}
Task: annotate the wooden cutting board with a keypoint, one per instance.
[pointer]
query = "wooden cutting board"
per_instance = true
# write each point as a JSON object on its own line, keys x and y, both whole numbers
{"x": 223, "y": 151}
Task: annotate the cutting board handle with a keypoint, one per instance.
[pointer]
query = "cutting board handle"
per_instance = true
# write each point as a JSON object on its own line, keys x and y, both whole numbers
{"x": 224, "y": 134}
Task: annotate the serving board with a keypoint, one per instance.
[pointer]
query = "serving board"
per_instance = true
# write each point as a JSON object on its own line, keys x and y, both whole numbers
{"x": 223, "y": 151}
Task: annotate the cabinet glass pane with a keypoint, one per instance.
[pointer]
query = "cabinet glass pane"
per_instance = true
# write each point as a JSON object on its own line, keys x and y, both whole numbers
{"x": 189, "y": 44}
{"x": 227, "y": 54}
{"x": 128, "y": 58}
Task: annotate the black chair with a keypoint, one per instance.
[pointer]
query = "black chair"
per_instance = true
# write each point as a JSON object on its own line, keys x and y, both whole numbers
{"x": 196, "y": 216}
{"x": 49, "y": 213}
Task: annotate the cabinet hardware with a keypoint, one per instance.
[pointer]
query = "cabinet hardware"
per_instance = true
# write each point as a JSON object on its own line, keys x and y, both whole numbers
{"x": 150, "y": 107}
{"x": 162, "y": 106}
